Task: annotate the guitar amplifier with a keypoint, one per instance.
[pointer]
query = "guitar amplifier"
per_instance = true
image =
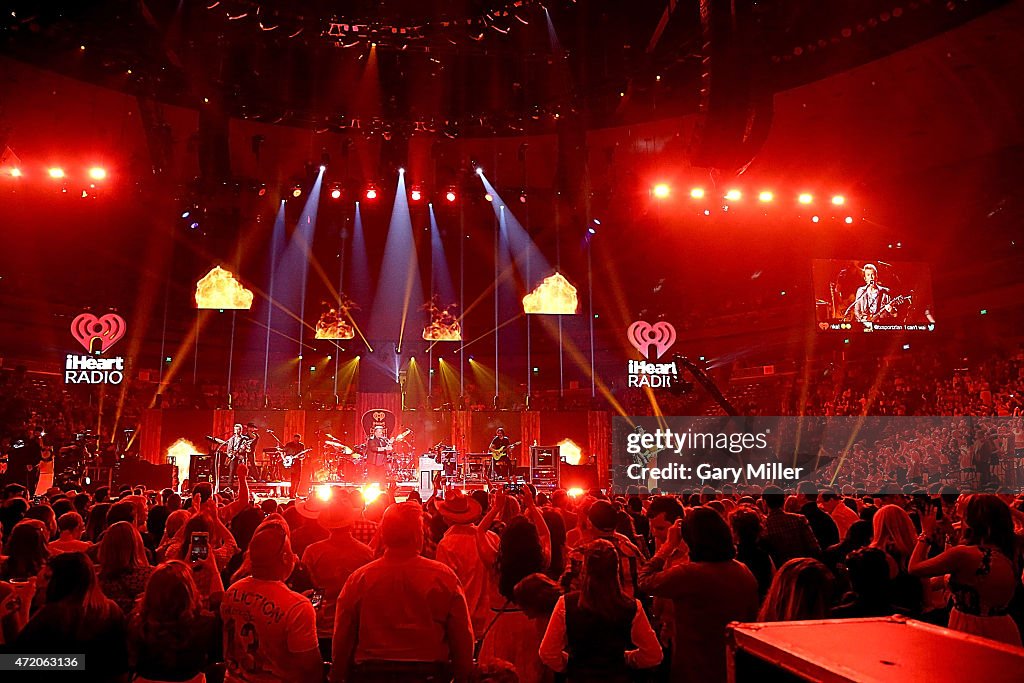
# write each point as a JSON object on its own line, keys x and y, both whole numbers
{"x": 544, "y": 463}
{"x": 201, "y": 469}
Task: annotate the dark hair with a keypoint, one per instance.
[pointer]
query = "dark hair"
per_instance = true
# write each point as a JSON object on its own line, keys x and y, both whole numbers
{"x": 603, "y": 516}
{"x": 746, "y": 525}
{"x": 537, "y": 594}
{"x": 26, "y": 549}
{"x": 634, "y": 504}
{"x": 244, "y": 525}
{"x": 869, "y": 572}
{"x": 600, "y": 585}
{"x": 121, "y": 511}
{"x": 666, "y": 505}
{"x": 556, "y": 528}
{"x": 773, "y": 497}
{"x": 708, "y": 536}
{"x": 859, "y": 534}
{"x": 519, "y": 555}
{"x": 96, "y": 524}
{"x": 988, "y": 520}
{"x": 800, "y": 590}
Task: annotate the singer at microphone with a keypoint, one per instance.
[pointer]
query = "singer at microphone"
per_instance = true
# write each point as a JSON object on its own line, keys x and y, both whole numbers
{"x": 872, "y": 300}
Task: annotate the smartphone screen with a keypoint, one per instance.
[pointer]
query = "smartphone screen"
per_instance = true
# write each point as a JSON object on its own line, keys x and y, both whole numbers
{"x": 199, "y": 546}
{"x": 316, "y": 597}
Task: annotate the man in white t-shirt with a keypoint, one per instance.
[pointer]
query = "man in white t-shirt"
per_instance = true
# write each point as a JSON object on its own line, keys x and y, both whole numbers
{"x": 269, "y": 630}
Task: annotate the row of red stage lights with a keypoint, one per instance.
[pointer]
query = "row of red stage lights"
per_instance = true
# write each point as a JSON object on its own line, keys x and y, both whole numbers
{"x": 58, "y": 173}
{"x": 664, "y": 191}
{"x": 372, "y": 193}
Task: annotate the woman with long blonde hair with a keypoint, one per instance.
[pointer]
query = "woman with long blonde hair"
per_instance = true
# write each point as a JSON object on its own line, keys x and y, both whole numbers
{"x": 894, "y": 532}
{"x": 124, "y": 568}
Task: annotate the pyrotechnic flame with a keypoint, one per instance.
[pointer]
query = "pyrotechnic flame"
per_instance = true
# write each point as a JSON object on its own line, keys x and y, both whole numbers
{"x": 444, "y": 326}
{"x": 570, "y": 452}
{"x": 553, "y": 296}
{"x": 180, "y": 454}
{"x": 220, "y": 290}
{"x": 333, "y": 325}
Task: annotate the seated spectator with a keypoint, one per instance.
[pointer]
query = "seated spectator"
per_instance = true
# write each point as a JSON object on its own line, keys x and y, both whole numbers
{"x": 70, "y": 527}
{"x": 269, "y": 630}
{"x": 983, "y": 572}
{"x": 801, "y": 590}
{"x": 598, "y": 632}
{"x": 330, "y": 562}
{"x": 708, "y": 592}
{"x": 124, "y": 569}
{"x": 403, "y": 616}
{"x": 77, "y": 618}
{"x": 170, "y": 636}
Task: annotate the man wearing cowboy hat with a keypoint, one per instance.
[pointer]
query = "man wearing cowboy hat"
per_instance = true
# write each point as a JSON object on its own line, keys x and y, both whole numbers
{"x": 332, "y": 560}
{"x": 459, "y": 549}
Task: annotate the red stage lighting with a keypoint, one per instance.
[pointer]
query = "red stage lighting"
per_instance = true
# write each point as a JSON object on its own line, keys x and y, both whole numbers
{"x": 733, "y": 195}
{"x": 371, "y": 193}
{"x": 766, "y": 196}
{"x": 335, "y": 193}
{"x": 416, "y": 195}
{"x": 15, "y": 172}
{"x": 56, "y": 172}
{"x": 661, "y": 190}
{"x": 489, "y": 197}
{"x": 805, "y": 198}
{"x": 97, "y": 173}
{"x": 697, "y": 193}
{"x": 296, "y": 191}
{"x": 450, "y": 195}
{"x": 839, "y": 200}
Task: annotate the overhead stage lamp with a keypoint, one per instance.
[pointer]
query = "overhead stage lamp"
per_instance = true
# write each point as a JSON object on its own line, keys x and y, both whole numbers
{"x": 805, "y": 198}
{"x": 97, "y": 173}
{"x": 371, "y": 193}
{"x": 697, "y": 193}
{"x": 733, "y": 195}
{"x": 56, "y": 172}
{"x": 766, "y": 196}
{"x": 15, "y": 172}
{"x": 335, "y": 193}
{"x": 661, "y": 190}
{"x": 450, "y": 195}
{"x": 297, "y": 191}
{"x": 416, "y": 195}
{"x": 838, "y": 200}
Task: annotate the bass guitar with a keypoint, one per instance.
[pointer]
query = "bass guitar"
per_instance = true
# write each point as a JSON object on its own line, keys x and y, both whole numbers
{"x": 288, "y": 460}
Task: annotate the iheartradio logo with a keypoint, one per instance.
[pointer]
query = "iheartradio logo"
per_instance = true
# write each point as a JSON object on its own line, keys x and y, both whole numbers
{"x": 87, "y": 328}
{"x": 643, "y": 335}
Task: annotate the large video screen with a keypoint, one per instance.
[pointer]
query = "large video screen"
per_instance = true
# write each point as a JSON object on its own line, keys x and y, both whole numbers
{"x": 873, "y": 295}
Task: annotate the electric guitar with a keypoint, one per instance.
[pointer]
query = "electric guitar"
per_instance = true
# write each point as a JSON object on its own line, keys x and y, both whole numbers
{"x": 243, "y": 449}
{"x": 499, "y": 453}
{"x": 288, "y": 460}
{"x": 888, "y": 309}
{"x": 645, "y": 457}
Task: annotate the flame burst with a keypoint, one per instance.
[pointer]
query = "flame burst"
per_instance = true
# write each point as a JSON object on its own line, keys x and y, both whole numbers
{"x": 554, "y": 296}
{"x": 444, "y": 326}
{"x": 332, "y": 325}
{"x": 220, "y": 290}
{"x": 180, "y": 454}
{"x": 570, "y": 452}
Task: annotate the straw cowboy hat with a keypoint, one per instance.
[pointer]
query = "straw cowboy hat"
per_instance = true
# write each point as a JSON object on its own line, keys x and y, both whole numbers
{"x": 458, "y": 508}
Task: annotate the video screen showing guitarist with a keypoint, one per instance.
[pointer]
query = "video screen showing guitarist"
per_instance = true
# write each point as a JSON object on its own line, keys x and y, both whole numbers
{"x": 291, "y": 459}
{"x": 873, "y": 301}
{"x": 500, "y": 449}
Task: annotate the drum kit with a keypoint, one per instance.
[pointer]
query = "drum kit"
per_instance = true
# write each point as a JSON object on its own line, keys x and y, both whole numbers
{"x": 342, "y": 462}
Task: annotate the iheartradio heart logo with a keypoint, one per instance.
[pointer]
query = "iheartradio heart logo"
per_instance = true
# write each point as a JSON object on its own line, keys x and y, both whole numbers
{"x": 822, "y": 326}
{"x": 643, "y": 334}
{"x": 108, "y": 329}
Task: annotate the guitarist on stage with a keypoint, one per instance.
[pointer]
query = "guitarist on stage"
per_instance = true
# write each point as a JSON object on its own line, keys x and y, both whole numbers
{"x": 378, "y": 452}
{"x": 295, "y": 450}
{"x": 499, "y": 449}
{"x": 240, "y": 448}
